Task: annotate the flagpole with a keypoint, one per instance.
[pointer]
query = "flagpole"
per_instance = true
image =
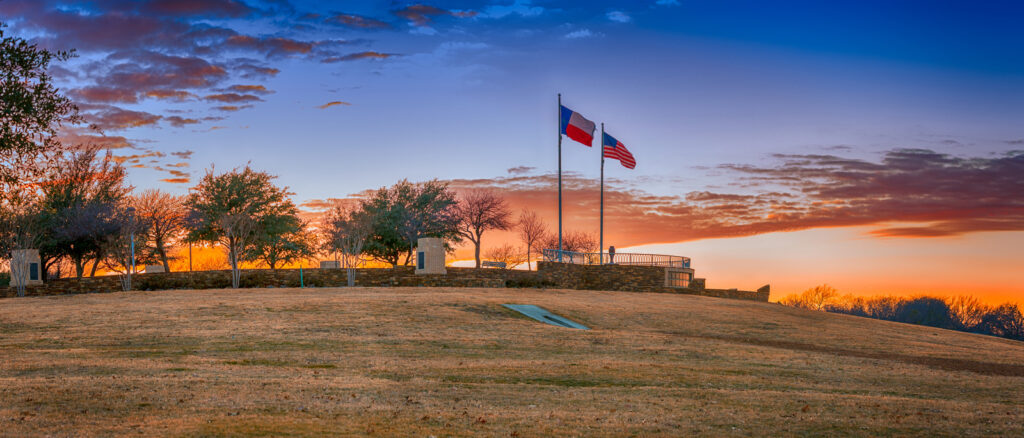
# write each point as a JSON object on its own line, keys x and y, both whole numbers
{"x": 559, "y": 127}
{"x": 600, "y": 254}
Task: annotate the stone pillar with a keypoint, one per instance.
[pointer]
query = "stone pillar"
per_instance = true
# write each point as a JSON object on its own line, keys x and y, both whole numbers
{"x": 26, "y": 268}
{"x": 430, "y": 256}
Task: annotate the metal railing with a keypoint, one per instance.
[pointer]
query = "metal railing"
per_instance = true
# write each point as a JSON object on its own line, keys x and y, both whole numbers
{"x": 620, "y": 258}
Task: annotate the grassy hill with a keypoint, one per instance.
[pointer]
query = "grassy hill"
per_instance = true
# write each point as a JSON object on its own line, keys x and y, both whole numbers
{"x": 446, "y": 362}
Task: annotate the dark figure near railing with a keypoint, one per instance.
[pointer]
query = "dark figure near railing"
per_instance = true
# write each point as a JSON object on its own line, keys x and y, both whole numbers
{"x": 611, "y": 255}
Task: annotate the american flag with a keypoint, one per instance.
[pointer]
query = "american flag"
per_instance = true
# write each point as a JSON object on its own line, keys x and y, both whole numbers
{"x": 614, "y": 149}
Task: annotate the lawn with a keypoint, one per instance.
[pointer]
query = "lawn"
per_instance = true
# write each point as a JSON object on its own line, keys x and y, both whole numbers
{"x": 454, "y": 362}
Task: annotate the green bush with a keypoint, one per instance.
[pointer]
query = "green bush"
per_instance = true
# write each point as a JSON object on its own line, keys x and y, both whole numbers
{"x": 5, "y": 279}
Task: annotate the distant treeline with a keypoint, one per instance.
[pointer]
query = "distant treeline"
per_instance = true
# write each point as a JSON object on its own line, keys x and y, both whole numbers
{"x": 963, "y": 313}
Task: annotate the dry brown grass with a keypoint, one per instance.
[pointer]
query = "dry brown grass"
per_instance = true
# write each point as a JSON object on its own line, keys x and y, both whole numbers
{"x": 452, "y": 362}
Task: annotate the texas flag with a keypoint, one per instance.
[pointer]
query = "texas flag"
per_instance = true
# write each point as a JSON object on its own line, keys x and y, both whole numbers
{"x": 575, "y": 126}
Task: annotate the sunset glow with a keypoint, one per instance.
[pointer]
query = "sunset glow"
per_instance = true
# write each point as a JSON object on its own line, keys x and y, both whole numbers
{"x": 871, "y": 146}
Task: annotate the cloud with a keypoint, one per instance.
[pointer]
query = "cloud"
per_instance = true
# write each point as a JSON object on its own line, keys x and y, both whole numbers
{"x": 334, "y": 103}
{"x": 200, "y": 8}
{"x": 523, "y": 8}
{"x": 272, "y": 46}
{"x": 258, "y": 89}
{"x": 116, "y": 118}
{"x": 581, "y": 33}
{"x": 231, "y": 108}
{"x": 619, "y": 16}
{"x": 519, "y": 170}
{"x": 78, "y": 136}
{"x": 908, "y": 193}
{"x": 176, "y": 180}
{"x": 250, "y": 70}
{"x": 178, "y": 122}
{"x": 177, "y": 95}
{"x": 232, "y": 98}
{"x": 104, "y": 95}
{"x": 135, "y": 158}
{"x": 184, "y": 155}
{"x": 421, "y": 15}
{"x": 356, "y": 21}
{"x": 151, "y": 70}
{"x": 357, "y": 56}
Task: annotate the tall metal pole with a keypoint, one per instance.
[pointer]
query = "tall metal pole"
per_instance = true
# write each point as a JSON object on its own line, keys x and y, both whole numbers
{"x": 131, "y": 236}
{"x": 600, "y": 256}
{"x": 559, "y": 176}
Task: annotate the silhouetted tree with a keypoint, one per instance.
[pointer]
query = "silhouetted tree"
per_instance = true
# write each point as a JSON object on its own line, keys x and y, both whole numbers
{"x": 509, "y": 254}
{"x": 1004, "y": 321}
{"x": 574, "y": 241}
{"x": 165, "y": 216}
{"x": 31, "y": 107}
{"x": 815, "y": 298}
{"x": 405, "y": 212}
{"x": 232, "y": 208}
{"x": 532, "y": 231}
{"x": 282, "y": 239}
{"x": 80, "y": 194}
{"x": 346, "y": 230}
{"x": 479, "y": 211}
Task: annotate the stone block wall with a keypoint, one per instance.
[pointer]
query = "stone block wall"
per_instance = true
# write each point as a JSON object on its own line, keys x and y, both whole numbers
{"x": 548, "y": 274}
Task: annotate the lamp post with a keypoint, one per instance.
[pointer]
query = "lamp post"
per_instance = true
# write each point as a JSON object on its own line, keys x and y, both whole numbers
{"x": 131, "y": 233}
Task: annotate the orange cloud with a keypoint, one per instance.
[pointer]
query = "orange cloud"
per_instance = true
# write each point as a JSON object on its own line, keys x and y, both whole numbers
{"x": 334, "y": 103}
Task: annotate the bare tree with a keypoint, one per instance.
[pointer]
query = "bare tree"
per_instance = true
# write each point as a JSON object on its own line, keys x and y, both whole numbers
{"x": 508, "y": 254}
{"x": 120, "y": 248}
{"x": 166, "y": 218}
{"x": 815, "y": 298}
{"x": 346, "y": 230}
{"x": 968, "y": 311}
{"x": 479, "y": 211}
{"x": 572, "y": 241}
{"x": 531, "y": 231}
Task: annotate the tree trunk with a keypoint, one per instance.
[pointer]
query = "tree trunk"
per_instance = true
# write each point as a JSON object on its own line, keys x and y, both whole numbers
{"x": 79, "y": 266}
{"x": 163, "y": 255}
{"x": 351, "y": 277}
{"x": 528, "y": 267}
{"x": 233, "y": 255}
{"x": 476, "y": 249}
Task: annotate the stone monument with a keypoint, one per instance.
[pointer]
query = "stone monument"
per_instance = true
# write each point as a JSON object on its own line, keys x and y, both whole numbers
{"x": 430, "y": 256}
{"x": 26, "y": 269}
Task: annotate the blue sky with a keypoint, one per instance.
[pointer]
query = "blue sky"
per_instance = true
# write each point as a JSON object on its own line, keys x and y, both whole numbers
{"x": 719, "y": 101}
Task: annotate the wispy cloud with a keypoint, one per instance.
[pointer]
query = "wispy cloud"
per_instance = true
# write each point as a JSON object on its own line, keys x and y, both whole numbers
{"x": 619, "y": 16}
{"x": 357, "y": 56}
{"x": 580, "y": 33}
{"x": 334, "y": 103}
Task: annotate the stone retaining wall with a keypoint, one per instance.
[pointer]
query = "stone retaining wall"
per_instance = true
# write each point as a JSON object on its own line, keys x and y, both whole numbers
{"x": 548, "y": 275}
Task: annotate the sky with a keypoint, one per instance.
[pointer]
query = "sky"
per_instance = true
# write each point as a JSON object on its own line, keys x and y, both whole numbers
{"x": 873, "y": 145}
